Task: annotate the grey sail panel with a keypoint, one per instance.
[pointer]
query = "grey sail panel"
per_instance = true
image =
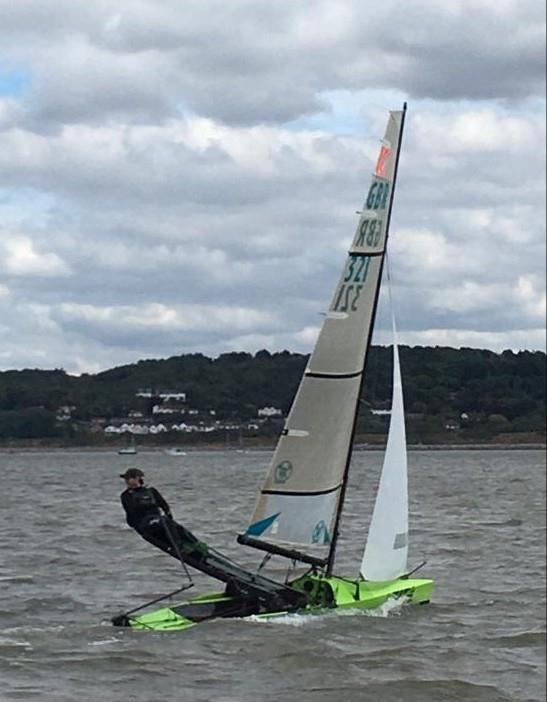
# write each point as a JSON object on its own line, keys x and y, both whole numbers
{"x": 300, "y": 497}
{"x": 309, "y": 440}
{"x": 301, "y": 491}
{"x": 342, "y": 342}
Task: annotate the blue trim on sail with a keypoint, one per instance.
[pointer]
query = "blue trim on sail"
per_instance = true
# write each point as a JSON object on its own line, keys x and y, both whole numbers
{"x": 258, "y": 528}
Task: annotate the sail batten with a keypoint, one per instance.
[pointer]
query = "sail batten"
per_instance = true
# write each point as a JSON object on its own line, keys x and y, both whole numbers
{"x": 300, "y": 499}
{"x": 335, "y": 376}
{"x": 297, "y": 493}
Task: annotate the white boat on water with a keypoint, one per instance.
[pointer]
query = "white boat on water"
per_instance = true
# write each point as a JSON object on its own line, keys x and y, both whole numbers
{"x": 174, "y": 452}
{"x": 130, "y": 449}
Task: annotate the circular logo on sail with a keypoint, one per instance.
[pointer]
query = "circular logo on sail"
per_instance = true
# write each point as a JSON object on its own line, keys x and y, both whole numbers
{"x": 283, "y": 472}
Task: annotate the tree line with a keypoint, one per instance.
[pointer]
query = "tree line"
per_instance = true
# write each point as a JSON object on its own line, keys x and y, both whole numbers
{"x": 475, "y": 392}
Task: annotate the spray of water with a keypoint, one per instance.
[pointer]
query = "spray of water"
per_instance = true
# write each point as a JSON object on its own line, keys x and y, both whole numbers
{"x": 391, "y": 607}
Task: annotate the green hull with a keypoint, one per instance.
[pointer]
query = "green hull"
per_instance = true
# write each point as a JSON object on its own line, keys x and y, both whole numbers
{"x": 324, "y": 593}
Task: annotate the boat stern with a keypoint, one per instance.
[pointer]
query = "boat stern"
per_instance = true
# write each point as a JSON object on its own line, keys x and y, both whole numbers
{"x": 336, "y": 591}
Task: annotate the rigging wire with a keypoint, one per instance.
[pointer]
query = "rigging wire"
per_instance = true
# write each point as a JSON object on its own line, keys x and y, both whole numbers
{"x": 263, "y": 563}
{"x": 176, "y": 549}
{"x": 290, "y": 569}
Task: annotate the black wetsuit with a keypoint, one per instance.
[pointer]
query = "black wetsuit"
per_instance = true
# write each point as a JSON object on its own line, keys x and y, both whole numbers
{"x": 142, "y": 503}
{"x": 143, "y": 511}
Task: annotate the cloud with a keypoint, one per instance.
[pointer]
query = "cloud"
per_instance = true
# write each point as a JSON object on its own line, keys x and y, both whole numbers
{"x": 465, "y": 338}
{"x": 532, "y": 294}
{"x": 154, "y": 318}
{"x": 525, "y": 298}
{"x": 20, "y": 258}
{"x": 250, "y": 62}
{"x": 177, "y": 179}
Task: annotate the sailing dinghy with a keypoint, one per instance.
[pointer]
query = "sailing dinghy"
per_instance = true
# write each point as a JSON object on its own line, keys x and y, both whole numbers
{"x": 298, "y": 511}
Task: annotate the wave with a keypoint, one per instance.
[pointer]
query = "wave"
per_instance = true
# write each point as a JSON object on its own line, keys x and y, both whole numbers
{"x": 522, "y": 639}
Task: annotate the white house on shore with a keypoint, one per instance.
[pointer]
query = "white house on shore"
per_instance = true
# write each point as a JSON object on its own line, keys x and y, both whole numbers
{"x": 269, "y": 412}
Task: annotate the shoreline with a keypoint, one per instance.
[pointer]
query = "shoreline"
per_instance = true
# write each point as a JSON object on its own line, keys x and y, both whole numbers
{"x": 268, "y": 448}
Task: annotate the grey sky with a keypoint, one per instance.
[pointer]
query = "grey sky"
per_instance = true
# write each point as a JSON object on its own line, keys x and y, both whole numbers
{"x": 179, "y": 178}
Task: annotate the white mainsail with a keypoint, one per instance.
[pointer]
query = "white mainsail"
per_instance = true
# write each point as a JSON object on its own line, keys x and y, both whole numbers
{"x": 386, "y": 551}
{"x": 299, "y": 501}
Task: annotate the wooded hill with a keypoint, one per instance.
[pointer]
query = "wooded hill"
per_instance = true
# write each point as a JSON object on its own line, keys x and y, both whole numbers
{"x": 495, "y": 393}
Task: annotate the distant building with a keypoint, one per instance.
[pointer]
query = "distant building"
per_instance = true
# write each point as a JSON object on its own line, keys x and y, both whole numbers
{"x": 165, "y": 395}
{"x": 64, "y": 413}
{"x": 175, "y": 395}
{"x": 160, "y": 409}
{"x": 136, "y": 429}
{"x": 270, "y": 412}
{"x": 97, "y": 424}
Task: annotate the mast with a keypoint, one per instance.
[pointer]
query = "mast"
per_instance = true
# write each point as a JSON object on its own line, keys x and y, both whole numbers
{"x": 340, "y": 507}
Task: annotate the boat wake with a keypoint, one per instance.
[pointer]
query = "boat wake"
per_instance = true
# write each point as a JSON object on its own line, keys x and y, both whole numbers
{"x": 294, "y": 620}
{"x": 392, "y": 607}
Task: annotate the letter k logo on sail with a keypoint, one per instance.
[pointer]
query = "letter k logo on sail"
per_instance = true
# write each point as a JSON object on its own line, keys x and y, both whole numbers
{"x": 381, "y": 164}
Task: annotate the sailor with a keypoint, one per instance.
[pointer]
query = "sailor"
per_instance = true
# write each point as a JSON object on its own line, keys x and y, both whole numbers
{"x": 150, "y": 515}
{"x": 141, "y": 503}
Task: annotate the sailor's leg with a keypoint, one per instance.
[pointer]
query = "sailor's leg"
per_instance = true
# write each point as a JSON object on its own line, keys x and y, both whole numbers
{"x": 155, "y": 534}
{"x": 185, "y": 541}
{"x": 173, "y": 538}
{"x": 183, "y": 536}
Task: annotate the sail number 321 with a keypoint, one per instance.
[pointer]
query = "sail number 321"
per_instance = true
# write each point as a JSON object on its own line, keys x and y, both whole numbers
{"x": 348, "y": 295}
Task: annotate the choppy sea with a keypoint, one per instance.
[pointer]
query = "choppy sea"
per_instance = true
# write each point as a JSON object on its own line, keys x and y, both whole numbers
{"x": 68, "y": 563}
